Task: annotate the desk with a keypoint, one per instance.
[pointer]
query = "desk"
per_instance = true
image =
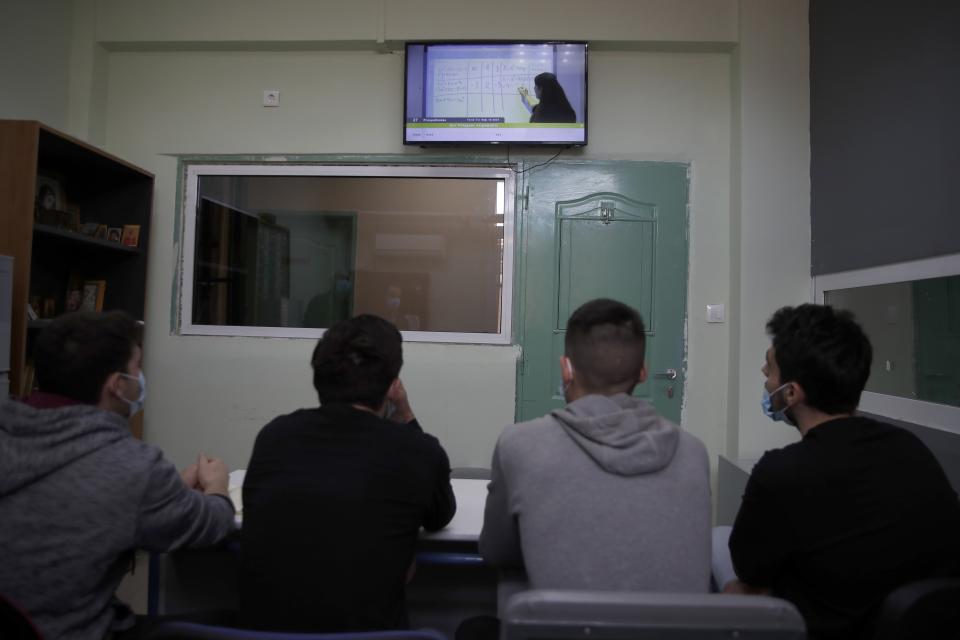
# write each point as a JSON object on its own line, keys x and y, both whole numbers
{"x": 467, "y": 522}
{"x": 732, "y": 476}
{"x": 451, "y": 582}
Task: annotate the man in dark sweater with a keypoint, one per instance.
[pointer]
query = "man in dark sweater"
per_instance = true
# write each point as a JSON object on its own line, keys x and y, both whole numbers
{"x": 334, "y": 497}
{"x": 78, "y": 493}
{"x": 835, "y": 522}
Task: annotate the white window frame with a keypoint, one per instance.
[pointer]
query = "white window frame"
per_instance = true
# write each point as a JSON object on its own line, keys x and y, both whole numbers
{"x": 192, "y": 176}
{"x": 928, "y": 414}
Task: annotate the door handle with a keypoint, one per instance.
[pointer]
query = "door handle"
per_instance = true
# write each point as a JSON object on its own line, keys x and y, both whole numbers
{"x": 669, "y": 374}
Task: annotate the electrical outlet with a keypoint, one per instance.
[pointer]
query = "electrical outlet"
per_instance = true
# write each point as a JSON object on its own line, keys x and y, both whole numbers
{"x": 271, "y": 97}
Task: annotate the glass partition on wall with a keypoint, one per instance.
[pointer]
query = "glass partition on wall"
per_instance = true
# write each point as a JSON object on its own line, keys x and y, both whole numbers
{"x": 911, "y": 313}
{"x": 914, "y": 327}
{"x": 290, "y": 250}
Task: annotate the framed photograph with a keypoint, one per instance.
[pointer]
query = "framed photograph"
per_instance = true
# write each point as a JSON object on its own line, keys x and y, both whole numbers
{"x": 49, "y": 308}
{"x": 74, "y": 293}
{"x": 101, "y": 233}
{"x": 72, "y": 217}
{"x": 131, "y": 235}
{"x": 114, "y": 234}
{"x": 70, "y": 220}
{"x": 89, "y": 228}
{"x": 74, "y": 300}
{"x": 49, "y": 195}
{"x": 93, "y": 291}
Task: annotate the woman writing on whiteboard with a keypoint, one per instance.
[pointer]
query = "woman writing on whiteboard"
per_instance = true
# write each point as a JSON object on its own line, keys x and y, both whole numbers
{"x": 553, "y": 105}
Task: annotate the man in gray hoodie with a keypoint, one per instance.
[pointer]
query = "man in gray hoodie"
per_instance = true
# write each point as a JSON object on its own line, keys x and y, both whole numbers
{"x": 603, "y": 494}
{"x": 78, "y": 493}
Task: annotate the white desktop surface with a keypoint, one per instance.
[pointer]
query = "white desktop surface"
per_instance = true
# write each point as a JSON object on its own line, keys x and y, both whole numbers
{"x": 471, "y": 497}
{"x": 468, "y": 520}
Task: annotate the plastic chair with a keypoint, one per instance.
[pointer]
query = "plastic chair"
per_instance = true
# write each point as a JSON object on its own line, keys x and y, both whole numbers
{"x": 599, "y": 615}
{"x": 194, "y": 631}
{"x": 15, "y": 624}
{"x": 921, "y": 610}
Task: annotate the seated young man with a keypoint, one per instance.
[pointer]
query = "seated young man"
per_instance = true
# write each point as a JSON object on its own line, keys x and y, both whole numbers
{"x": 335, "y": 496}
{"x": 78, "y": 493}
{"x": 603, "y": 494}
{"x": 858, "y": 507}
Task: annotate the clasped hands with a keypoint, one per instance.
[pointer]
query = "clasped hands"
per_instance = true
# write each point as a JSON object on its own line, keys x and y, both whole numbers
{"x": 208, "y": 475}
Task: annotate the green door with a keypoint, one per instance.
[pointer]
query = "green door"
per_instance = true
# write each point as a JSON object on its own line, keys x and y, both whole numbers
{"x": 603, "y": 230}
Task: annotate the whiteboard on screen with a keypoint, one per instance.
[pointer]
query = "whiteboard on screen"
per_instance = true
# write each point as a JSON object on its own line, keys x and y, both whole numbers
{"x": 483, "y": 87}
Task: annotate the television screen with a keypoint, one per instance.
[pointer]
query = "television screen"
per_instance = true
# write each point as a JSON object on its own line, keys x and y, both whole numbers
{"x": 496, "y": 93}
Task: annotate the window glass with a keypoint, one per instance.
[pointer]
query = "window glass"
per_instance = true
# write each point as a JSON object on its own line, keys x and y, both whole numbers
{"x": 914, "y": 328}
{"x": 304, "y": 251}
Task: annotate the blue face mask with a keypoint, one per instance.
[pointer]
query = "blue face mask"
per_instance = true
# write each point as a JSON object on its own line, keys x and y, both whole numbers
{"x": 766, "y": 403}
{"x": 136, "y": 405}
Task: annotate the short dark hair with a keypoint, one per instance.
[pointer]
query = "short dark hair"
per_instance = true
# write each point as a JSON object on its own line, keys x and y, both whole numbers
{"x": 356, "y": 360}
{"x": 78, "y": 351}
{"x": 605, "y": 341}
{"x": 825, "y": 351}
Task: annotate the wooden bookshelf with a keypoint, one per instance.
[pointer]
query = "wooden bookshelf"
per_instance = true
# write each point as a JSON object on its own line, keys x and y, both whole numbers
{"x": 103, "y": 189}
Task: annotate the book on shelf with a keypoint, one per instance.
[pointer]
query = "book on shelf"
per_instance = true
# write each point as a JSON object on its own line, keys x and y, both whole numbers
{"x": 27, "y": 380}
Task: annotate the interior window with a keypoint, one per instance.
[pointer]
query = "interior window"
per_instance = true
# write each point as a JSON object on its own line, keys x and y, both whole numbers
{"x": 291, "y": 254}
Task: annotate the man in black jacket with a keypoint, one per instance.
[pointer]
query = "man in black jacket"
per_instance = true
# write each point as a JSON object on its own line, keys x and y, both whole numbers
{"x": 835, "y": 522}
{"x": 334, "y": 497}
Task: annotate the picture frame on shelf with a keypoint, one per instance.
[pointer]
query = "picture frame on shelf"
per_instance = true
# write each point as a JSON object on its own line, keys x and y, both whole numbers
{"x": 74, "y": 296}
{"x": 27, "y": 376}
{"x": 49, "y": 193}
{"x": 74, "y": 299}
{"x": 89, "y": 228}
{"x": 93, "y": 292}
{"x": 101, "y": 233}
{"x": 114, "y": 234}
{"x": 131, "y": 235}
{"x": 70, "y": 220}
{"x": 71, "y": 217}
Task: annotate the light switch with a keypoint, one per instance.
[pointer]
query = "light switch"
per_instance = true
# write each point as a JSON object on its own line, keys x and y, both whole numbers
{"x": 716, "y": 313}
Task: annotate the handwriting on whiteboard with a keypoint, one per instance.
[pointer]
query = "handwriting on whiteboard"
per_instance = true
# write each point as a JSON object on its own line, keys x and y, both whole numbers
{"x": 483, "y": 87}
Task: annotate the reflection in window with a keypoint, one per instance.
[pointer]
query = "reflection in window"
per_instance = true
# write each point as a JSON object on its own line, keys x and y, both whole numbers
{"x": 915, "y": 331}
{"x": 306, "y": 251}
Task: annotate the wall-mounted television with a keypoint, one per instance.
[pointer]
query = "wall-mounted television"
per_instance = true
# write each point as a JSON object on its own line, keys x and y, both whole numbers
{"x": 464, "y": 93}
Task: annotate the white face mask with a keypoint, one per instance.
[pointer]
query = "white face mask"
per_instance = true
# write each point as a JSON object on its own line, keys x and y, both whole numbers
{"x": 136, "y": 405}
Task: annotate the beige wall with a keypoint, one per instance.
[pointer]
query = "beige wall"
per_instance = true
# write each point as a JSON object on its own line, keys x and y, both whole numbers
{"x": 34, "y": 60}
{"x": 717, "y": 83}
{"x": 772, "y": 267}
